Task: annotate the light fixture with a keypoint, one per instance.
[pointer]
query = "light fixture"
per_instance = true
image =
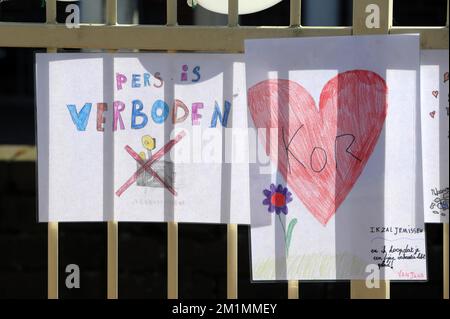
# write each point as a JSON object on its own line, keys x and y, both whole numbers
{"x": 245, "y": 6}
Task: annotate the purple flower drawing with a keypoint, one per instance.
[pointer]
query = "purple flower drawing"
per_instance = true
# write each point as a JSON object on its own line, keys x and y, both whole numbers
{"x": 277, "y": 198}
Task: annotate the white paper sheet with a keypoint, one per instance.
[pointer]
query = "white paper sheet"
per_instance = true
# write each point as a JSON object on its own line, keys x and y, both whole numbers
{"x": 336, "y": 190}
{"x": 435, "y": 131}
{"x": 87, "y": 151}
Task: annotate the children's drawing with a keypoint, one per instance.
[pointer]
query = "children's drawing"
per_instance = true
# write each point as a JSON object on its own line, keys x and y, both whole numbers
{"x": 123, "y": 114}
{"x": 440, "y": 204}
{"x": 277, "y": 199}
{"x": 336, "y": 124}
{"x": 324, "y": 150}
{"x": 163, "y": 175}
{"x": 435, "y": 134}
{"x": 147, "y": 166}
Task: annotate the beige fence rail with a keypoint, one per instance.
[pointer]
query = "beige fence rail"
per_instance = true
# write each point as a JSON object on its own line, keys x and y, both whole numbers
{"x": 172, "y": 37}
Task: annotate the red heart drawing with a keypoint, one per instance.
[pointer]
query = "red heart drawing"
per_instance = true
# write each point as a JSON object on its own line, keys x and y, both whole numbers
{"x": 321, "y": 152}
{"x": 433, "y": 114}
{"x": 435, "y": 94}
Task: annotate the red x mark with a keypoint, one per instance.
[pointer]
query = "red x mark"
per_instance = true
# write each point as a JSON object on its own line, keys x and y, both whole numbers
{"x": 150, "y": 170}
{"x": 146, "y": 166}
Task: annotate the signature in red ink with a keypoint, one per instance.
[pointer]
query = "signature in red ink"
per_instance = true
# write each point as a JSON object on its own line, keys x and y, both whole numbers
{"x": 410, "y": 274}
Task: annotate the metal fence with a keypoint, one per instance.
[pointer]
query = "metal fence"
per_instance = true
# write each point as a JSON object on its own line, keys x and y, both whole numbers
{"x": 172, "y": 37}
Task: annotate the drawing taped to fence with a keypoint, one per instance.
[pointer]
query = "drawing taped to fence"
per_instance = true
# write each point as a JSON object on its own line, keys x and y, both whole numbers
{"x": 338, "y": 127}
{"x": 435, "y": 134}
{"x": 150, "y": 137}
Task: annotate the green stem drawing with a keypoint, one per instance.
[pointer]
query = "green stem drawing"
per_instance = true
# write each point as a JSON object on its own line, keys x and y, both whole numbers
{"x": 288, "y": 234}
{"x": 290, "y": 229}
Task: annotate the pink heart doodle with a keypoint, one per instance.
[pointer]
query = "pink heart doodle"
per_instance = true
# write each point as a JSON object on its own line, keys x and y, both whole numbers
{"x": 435, "y": 94}
{"x": 433, "y": 114}
{"x": 321, "y": 152}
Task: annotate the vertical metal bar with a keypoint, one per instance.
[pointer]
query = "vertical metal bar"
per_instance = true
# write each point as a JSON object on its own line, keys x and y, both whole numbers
{"x": 50, "y": 10}
{"x": 52, "y": 227}
{"x": 172, "y": 260}
{"x": 358, "y": 288}
{"x": 445, "y": 249}
{"x": 293, "y": 292}
{"x": 172, "y": 227}
{"x": 448, "y": 7}
{"x": 113, "y": 226}
{"x": 296, "y": 13}
{"x": 359, "y": 16}
{"x": 232, "y": 229}
{"x": 52, "y": 244}
{"x": 295, "y": 21}
{"x": 113, "y": 234}
{"x": 232, "y": 261}
{"x": 390, "y": 15}
{"x": 111, "y": 12}
{"x": 172, "y": 13}
{"x": 233, "y": 13}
